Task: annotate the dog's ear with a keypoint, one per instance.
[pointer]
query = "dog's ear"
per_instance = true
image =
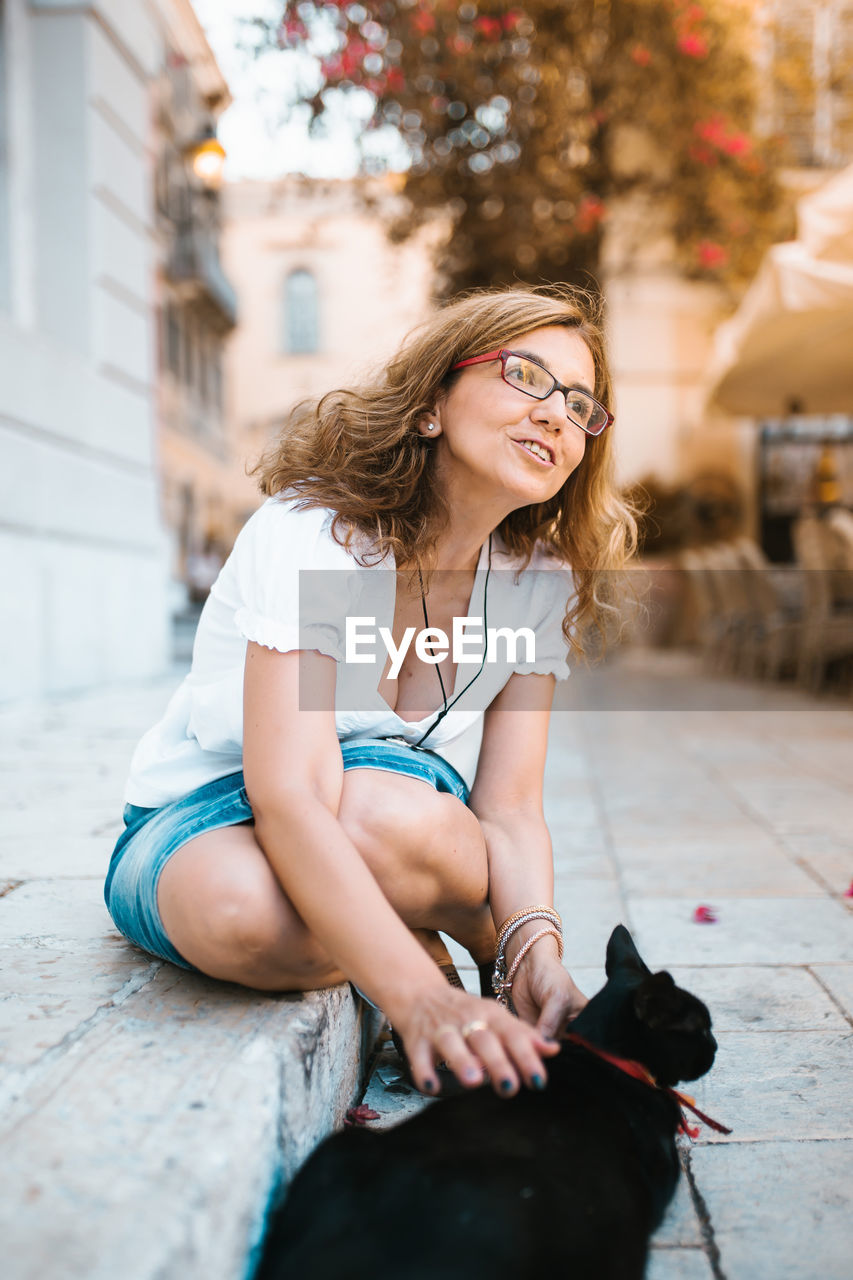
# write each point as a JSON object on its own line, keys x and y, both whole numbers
{"x": 622, "y": 954}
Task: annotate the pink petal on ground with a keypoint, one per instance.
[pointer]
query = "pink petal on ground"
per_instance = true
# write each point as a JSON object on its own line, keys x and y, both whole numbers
{"x": 360, "y": 1115}
{"x": 704, "y": 915}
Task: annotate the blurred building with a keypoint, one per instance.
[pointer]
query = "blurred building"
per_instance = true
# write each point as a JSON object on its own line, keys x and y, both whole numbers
{"x": 322, "y": 295}
{"x": 87, "y": 263}
{"x": 195, "y": 307}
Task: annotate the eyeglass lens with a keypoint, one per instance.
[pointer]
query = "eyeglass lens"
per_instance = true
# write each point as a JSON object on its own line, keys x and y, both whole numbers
{"x": 531, "y": 378}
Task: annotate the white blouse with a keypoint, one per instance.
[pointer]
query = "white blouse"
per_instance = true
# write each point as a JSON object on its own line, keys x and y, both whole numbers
{"x": 264, "y": 594}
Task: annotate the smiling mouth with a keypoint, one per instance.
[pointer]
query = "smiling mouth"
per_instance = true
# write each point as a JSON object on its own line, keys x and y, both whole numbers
{"x": 529, "y": 446}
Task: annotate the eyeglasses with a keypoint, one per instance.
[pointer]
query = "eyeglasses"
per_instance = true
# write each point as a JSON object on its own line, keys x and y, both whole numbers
{"x": 534, "y": 380}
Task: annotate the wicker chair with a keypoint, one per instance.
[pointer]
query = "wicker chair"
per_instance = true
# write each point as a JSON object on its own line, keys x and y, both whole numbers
{"x": 827, "y": 631}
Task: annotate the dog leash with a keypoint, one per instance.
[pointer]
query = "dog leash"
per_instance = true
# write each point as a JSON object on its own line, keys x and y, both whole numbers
{"x": 640, "y": 1072}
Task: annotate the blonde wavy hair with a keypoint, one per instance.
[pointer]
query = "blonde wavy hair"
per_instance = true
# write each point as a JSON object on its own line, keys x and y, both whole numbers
{"x": 358, "y": 452}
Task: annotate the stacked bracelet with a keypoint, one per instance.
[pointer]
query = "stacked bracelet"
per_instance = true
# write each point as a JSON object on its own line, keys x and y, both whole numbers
{"x": 501, "y": 980}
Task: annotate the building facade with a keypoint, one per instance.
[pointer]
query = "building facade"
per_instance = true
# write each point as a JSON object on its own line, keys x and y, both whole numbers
{"x": 322, "y": 295}
{"x": 195, "y": 306}
{"x": 84, "y": 556}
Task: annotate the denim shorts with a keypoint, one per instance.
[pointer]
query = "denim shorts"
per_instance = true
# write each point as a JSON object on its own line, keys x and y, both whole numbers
{"x": 151, "y": 836}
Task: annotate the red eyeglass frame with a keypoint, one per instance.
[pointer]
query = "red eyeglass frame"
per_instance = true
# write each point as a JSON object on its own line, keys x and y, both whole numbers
{"x": 558, "y": 386}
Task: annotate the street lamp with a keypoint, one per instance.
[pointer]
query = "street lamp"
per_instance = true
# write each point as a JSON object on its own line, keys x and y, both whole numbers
{"x": 207, "y": 159}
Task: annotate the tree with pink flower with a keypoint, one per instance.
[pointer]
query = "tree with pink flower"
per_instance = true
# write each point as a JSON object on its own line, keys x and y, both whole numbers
{"x": 516, "y": 121}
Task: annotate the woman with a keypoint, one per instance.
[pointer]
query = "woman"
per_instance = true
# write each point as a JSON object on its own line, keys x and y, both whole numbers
{"x": 300, "y": 817}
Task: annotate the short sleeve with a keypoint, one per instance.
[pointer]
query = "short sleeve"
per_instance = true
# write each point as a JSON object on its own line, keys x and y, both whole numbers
{"x": 289, "y": 580}
{"x": 553, "y": 590}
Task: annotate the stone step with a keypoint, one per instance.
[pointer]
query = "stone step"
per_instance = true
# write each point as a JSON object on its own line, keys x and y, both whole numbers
{"x": 147, "y": 1115}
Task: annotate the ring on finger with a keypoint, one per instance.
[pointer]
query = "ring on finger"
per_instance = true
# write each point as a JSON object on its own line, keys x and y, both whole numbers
{"x": 478, "y": 1024}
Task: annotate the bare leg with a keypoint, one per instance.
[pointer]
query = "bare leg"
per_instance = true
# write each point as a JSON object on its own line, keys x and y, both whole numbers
{"x": 225, "y": 912}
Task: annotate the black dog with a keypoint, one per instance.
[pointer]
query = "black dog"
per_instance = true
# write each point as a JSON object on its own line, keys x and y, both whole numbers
{"x": 569, "y": 1182}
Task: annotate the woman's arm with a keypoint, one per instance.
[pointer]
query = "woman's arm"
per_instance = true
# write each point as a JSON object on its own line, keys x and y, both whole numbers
{"x": 507, "y": 799}
{"x": 294, "y": 775}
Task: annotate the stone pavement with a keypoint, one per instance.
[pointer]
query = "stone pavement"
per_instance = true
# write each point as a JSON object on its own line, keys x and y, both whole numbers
{"x": 143, "y": 1111}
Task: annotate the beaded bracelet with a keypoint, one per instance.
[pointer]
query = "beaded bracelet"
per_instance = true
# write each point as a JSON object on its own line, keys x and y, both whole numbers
{"x": 511, "y": 926}
{"x": 518, "y": 918}
{"x": 503, "y": 989}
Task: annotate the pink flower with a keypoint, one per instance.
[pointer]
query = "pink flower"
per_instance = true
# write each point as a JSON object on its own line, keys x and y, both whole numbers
{"x": 590, "y": 212}
{"x": 848, "y": 893}
{"x": 711, "y": 255}
{"x": 423, "y": 22}
{"x": 702, "y": 155}
{"x": 704, "y": 915}
{"x": 693, "y": 45}
{"x": 490, "y": 28}
{"x": 736, "y": 144}
{"x": 716, "y": 131}
{"x": 712, "y": 130}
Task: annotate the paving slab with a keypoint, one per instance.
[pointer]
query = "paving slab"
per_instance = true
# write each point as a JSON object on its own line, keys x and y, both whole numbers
{"x": 585, "y": 864}
{"x": 389, "y": 1094}
{"x": 762, "y": 997}
{"x": 779, "y": 1084}
{"x": 34, "y": 858}
{"x": 51, "y": 822}
{"x": 838, "y": 980}
{"x": 591, "y": 909}
{"x": 48, "y": 993}
{"x": 678, "y": 1264}
{"x": 684, "y": 838}
{"x": 726, "y": 872}
{"x": 826, "y": 855}
{"x": 70, "y": 912}
{"x": 748, "y": 931}
{"x": 779, "y": 1210}
{"x": 681, "y": 1227}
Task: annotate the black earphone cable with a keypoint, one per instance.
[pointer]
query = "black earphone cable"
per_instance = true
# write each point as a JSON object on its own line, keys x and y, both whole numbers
{"x": 448, "y": 705}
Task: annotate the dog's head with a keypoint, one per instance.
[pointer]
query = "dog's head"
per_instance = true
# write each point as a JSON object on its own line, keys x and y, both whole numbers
{"x": 643, "y": 1015}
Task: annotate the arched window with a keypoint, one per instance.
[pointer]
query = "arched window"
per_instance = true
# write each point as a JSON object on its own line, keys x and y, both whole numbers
{"x": 301, "y": 313}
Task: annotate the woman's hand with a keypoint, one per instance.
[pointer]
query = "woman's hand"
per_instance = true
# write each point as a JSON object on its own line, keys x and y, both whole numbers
{"x": 475, "y": 1038}
{"x": 543, "y": 992}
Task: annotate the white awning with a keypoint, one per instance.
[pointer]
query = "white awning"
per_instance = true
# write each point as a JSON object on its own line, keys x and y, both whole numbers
{"x": 789, "y": 346}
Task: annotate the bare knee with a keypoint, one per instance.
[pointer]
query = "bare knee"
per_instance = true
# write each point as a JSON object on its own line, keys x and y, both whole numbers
{"x": 267, "y": 942}
{"x": 413, "y": 836}
{"x": 230, "y": 918}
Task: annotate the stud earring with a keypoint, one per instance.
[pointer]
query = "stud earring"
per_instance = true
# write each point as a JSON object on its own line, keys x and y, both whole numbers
{"x": 431, "y": 427}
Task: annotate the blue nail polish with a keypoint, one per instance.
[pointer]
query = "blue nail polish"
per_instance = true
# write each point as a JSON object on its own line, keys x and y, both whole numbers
{"x": 538, "y": 1082}
{"x": 506, "y": 1086}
